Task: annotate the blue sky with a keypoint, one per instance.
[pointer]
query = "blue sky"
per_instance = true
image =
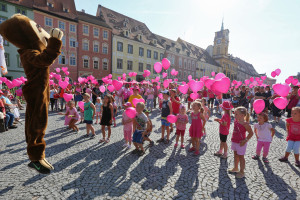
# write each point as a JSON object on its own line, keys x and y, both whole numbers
{"x": 265, "y": 33}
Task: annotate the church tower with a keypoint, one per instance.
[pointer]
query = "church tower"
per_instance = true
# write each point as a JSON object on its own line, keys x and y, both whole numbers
{"x": 221, "y": 43}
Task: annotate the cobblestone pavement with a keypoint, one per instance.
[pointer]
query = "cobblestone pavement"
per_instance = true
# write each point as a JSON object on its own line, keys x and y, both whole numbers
{"x": 85, "y": 169}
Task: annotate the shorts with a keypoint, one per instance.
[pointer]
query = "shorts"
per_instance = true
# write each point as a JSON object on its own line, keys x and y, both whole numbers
{"x": 223, "y": 138}
{"x": 293, "y": 145}
{"x": 88, "y": 121}
{"x": 138, "y": 136}
{"x": 211, "y": 100}
{"x": 240, "y": 150}
{"x": 164, "y": 122}
{"x": 180, "y": 132}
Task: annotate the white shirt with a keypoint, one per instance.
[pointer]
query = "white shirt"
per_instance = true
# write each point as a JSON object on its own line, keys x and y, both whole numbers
{"x": 264, "y": 132}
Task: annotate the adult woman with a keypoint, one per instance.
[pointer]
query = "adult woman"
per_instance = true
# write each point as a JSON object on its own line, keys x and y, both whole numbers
{"x": 52, "y": 100}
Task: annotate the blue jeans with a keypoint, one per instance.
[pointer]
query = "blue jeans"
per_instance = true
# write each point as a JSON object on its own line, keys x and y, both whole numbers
{"x": 9, "y": 119}
{"x": 149, "y": 104}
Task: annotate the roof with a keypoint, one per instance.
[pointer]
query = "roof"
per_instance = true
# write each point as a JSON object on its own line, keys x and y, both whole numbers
{"x": 92, "y": 19}
{"x": 121, "y": 23}
{"x": 248, "y": 68}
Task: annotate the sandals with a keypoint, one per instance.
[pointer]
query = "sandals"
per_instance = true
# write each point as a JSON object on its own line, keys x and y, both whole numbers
{"x": 167, "y": 141}
{"x": 102, "y": 140}
{"x": 107, "y": 140}
{"x": 233, "y": 171}
{"x": 256, "y": 157}
{"x": 265, "y": 160}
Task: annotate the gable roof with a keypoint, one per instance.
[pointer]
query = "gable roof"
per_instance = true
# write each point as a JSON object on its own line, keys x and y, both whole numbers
{"x": 121, "y": 23}
{"x": 92, "y": 19}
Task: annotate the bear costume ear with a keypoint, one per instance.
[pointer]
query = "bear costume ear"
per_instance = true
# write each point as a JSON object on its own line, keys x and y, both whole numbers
{"x": 18, "y": 30}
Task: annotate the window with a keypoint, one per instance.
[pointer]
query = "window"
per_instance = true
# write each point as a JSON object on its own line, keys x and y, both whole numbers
{"x": 105, "y": 64}
{"x": 148, "y": 53}
{"x": 141, "y": 67}
{"x": 218, "y": 50}
{"x": 72, "y": 28}
{"x": 129, "y": 65}
{"x": 21, "y": 11}
{"x": 120, "y": 64}
{"x": 3, "y": 7}
{"x": 61, "y": 25}
{"x": 148, "y": 67}
{"x": 104, "y": 49}
{"x": 155, "y": 55}
{"x": 96, "y": 32}
{"x": 85, "y": 45}
{"x": 85, "y": 29}
{"x": 189, "y": 65}
{"x": 62, "y": 59}
{"x": 72, "y": 59}
{"x": 96, "y": 64}
{"x": 130, "y": 49}
{"x": 6, "y": 55}
{"x": 120, "y": 46}
{"x": 161, "y": 56}
{"x": 185, "y": 64}
{"x": 63, "y": 40}
{"x": 85, "y": 62}
{"x": 141, "y": 51}
{"x": 180, "y": 62}
{"x": 72, "y": 42}
{"x": 193, "y": 66}
{"x": 2, "y": 19}
{"x": 19, "y": 63}
{"x": 96, "y": 47}
{"x": 105, "y": 34}
{"x": 48, "y": 21}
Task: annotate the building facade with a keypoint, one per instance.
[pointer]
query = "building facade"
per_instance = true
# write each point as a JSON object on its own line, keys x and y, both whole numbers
{"x": 12, "y": 57}
{"x": 134, "y": 47}
{"x": 94, "y": 46}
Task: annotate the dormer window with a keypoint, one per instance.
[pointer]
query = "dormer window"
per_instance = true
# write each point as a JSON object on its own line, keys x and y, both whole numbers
{"x": 124, "y": 24}
{"x": 126, "y": 33}
{"x": 126, "y": 20}
{"x": 139, "y": 37}
{"x": 51, "y": 5}
{"x": 154, "y": 41}
{"x": 66, "y": 10}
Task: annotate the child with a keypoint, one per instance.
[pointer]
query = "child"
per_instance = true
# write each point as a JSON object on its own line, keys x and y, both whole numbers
{"x": 89, "y": 114}
{"x": 239, "y": 140}
{"x": 182, "y": 120}
{"x": 98, "y": 109}
{"x": 150, "y": 96}
{"x": 107, "y": 117}
{"x": 264, "y": 134}
{"x": 224, "y": 128}
{"x": 175, "y": 104}
{"x": 127, "y": 126}
{"x": 140, "y": 125}
{"x": 293, "y": 138}
{"x": 146, "y": 137}
{"x": 165, "y": 111}
{"x": 115, "y": 109}
{"x": 197, "y": 127}
{"x": 206, "y": 111}
{"x": 81, "y": 115}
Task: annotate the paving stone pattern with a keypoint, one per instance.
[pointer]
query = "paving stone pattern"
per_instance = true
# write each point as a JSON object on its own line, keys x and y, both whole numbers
{"x": 85, "y": 169}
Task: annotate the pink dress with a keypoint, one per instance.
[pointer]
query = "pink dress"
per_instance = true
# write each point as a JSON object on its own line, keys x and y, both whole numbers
{"x": 73, "y": 112}
{"x": 127, "y": 128}
{"x": 196, "y": 126}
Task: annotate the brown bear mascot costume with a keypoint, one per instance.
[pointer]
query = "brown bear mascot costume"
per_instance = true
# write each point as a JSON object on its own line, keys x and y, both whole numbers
{"x": 38, "y": 50}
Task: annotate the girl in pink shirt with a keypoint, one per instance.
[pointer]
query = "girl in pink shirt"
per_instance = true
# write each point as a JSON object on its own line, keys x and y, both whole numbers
{"x": 71, "y": 116}
{"x": 239, "y": 140}
{"x": 127, "y": 127}
{"x": 182, "y": 120}
{"x": 293, "y": 138}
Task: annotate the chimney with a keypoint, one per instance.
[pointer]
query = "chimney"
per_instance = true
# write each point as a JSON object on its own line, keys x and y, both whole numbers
{"x": 99, "y": 10}
{"x": 83, "y": 10}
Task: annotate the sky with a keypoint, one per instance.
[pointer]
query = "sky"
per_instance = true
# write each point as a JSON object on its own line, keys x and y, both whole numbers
{"x": 265, "y": 33}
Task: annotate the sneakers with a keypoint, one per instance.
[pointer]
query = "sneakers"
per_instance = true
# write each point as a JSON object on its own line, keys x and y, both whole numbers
{"x": 182, "y": 146}
{"x": 175, "y": 145}
{"x": 42, "y": 166}
{"x": 192, "y": 149}
{"x": 256, "y": 157}
{"x": 86, "y": 136}
{"x": 151, "y": 144}
{"x": 265, "y": 160}
{"x": 167, "y": 141}
{"x": 283, "y": 159}
{"x": 161, "y": 140}
{"x": 128, "y": 146}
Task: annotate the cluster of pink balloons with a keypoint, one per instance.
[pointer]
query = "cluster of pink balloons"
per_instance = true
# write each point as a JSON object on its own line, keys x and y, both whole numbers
{"x": 14, "y": 83}
{"x": 275, "y": 73}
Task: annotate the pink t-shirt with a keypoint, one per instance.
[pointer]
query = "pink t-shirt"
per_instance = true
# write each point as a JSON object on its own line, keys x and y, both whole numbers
{"x": 294, "y": 130}
{"x": 239, "y": 132}
{"x": 150, "y": 93}
{"x": 224, "y": 130}
{"x": 181, "y": 121}
{"x": 128, "y": 126}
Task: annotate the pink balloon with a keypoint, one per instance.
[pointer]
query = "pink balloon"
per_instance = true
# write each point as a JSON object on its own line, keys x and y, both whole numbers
{"x": 183, "y": 88}
{"x": 164, "y": 75}
{"x": 190, "y": 77}
{"x": 219, "y": 76}
{"x": 251, "y": 79}
{"x": 130, "y": 74}
{"x": 172, "y": 72}
{"x": 196, "y": 85}
{"x": 277, "y": 71}
{"x": 110, "y": 76}
{"x": 263, "y": 78}
{"x": 166, "y": 83}
{"x": 208, "y": 82}
{"x": 213, "y": 73}
{"x": 157, "y": 78}
{"x": 160, "y": 96}
{"x": 158, "y": 67}
{"x": 9, "y": 84}
{"x": 130, "y": 112}
{"x": 171, "y": 118}
{"x": 117, "y": 84}
{"x": 247, "y": 82}
{"x": 63, "y": 84}
{"x": 281, "y": 89}
{"x": 221, "y": 85}
{"x": 68, "y": 97}
{"x": 57, "y": 70}
{"x": 64, "y": 69}
{"x": 102, "y": 89}
{"x": 257, "y": 79}
{"x": 176, "y": 80}
{"x": 165, "y": 63}
{"x": 67, "y": 73}
{"x": 295, "y": 81}
{"x": 194, "y": 96}
{"x": 175, "y": 73}
{"x": 17, "y": 82}
{"x": 111, "y": 88}
{"x": 280, "y": 102}
{"x": 81, "y": 105}
{"x": 19, "y": 92}
{"x": 135, "y": 101}
{"x": 259, "y": 105}
{"x": 273, "y": 74}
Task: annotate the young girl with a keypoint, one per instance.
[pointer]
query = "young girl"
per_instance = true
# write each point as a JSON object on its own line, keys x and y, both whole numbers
{"x": 72, "y": 116}
{"x": 293, "y": 138}
{"x": 148, "y": 130}
{"x": 115, "y": 109}
{"x": 182, "y": 120}
{"x": 206, "y": 111}
{"x": 107, "y": 117}
{"x": 264, "y": 134}
{"x": 197, "y": 127}
{"x": 127, "y": 127}
{"x": 239, "y": 140}
{"x": 98, "y": 105}
{"x": 89, "y": 114}
{"x": 224, "y": 128}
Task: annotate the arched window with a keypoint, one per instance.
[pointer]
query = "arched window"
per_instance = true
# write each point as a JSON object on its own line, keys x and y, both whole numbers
{"x": 85, "y": 44}
{"x": 95, "y": 63}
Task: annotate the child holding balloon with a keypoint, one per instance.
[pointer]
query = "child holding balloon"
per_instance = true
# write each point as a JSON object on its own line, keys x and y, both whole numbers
{"x": 182, "y": 120}
{"x": 127, "y": 126}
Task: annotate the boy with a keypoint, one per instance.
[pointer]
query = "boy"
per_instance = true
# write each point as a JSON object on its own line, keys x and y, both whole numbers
{"x": 165, "y": 111}
{"x": 146, "y": 138}
{"x": 140, "y": 126}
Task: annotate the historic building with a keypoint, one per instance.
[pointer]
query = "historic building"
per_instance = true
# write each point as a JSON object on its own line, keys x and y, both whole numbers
{"x": 134, "y": 47}
{"x": 245, "y": 70}
{"x": 94, "y": 46}
{"x": 12, "y": 57}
